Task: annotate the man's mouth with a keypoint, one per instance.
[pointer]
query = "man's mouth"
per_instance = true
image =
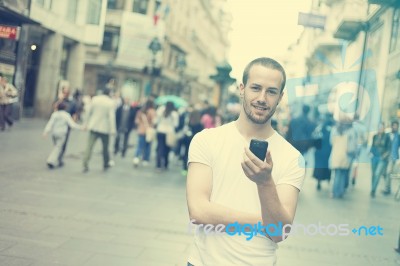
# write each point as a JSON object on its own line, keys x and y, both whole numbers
{"x": 261, "y": 108}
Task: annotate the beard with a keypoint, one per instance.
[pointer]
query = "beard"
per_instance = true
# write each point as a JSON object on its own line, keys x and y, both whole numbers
{"x": 256, "y": 119}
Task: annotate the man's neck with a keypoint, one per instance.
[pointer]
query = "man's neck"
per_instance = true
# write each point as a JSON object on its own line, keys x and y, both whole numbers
{"x": 249, "y": 129}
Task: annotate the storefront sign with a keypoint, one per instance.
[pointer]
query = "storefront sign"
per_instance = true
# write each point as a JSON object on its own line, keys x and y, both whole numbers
{"x": 9, "y": 32}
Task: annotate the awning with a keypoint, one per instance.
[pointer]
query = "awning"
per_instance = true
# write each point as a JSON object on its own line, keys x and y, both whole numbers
{"x": 9, "y": 16}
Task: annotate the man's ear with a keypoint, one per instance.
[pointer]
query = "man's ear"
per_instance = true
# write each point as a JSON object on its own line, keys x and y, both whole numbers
{"x": 241, "y": 90}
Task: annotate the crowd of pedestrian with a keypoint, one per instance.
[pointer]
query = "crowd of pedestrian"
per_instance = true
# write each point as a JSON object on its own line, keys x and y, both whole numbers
{"x": 169, "y": 127}
{"x": 338, "y": 146}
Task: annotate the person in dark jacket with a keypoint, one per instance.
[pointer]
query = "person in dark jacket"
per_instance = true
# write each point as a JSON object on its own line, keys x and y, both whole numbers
{"x": 125, "y": 118}
{"x": 192, "y": 127}
{"x": 322, "y": 152}
{"x": 300, "y": 131}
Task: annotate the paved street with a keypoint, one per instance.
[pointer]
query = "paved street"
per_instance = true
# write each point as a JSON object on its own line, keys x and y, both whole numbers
{"x": 130, "y": 216}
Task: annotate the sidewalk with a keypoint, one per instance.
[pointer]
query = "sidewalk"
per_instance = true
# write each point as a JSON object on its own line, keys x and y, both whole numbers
{"x": 130, "y": 216}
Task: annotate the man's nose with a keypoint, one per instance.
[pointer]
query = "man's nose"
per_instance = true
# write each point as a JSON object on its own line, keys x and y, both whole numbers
{"x": 261, "y": 96}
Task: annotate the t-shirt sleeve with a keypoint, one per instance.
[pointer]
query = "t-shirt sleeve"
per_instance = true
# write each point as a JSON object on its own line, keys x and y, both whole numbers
{"x": 294, "y": 173}
{"x": 199, "y": 149}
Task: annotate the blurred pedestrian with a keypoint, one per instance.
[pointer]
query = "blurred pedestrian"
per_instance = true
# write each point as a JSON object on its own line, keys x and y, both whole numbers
{"x": 146, "y": 133}
{"x": 58, "y": 125}
{"x": 8, "y": 96}
{"x": 101, "y": 124}
{"x": 343, "y": 141}
{"x": 77, "y": 105}
{"x": 64, "y": 98}
{"x": 183, "y": 113}
{"x": 381, "y": 148}
{"x": 167, "y": 120}
{"x": 322, "y": 172}
{"x": 393, "y": 157}
{"x": 125, "y": 118}
{"x": 210, "y": 118}
{"x": 300, "y": 131}
{"x": 193, "y": 127}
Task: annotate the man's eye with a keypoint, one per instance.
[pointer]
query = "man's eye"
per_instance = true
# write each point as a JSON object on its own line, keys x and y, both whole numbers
{"x": 272, "y": 92}
{"x": 255, "y": 88}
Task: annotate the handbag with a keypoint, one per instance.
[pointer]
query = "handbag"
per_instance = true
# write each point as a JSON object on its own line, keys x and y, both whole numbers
{"x": 171, "y": 139}
{"x": 150, "y": 134}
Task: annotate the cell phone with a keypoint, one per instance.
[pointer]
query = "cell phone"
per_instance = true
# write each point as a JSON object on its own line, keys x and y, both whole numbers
{"x": 259, "y": 148}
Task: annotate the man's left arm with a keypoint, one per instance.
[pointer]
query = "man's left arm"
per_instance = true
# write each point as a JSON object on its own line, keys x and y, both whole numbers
{"x": 278, "y": 201}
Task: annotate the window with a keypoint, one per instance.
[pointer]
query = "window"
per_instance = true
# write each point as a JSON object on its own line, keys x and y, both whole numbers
{"x": 115, "y": 4}
{"x": 45, "y": 3}
{"x": 395, "y": 35}
{"x": 112, "y": 4}
{"x": 93, "y": 12}
{"x": 40, "y": 2}
{"x": 72, "y": 10}
{"x": 140, "y": 6}
{"x": 110, "y": 40}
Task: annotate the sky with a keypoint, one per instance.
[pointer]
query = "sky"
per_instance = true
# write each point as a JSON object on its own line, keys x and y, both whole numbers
{"x": 262, "y": 28}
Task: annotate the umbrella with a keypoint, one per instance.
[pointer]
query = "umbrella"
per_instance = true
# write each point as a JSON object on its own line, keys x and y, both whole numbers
{"x": 176, "y": 100}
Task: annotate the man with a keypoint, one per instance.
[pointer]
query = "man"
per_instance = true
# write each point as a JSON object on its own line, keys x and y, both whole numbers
{"x": 69, "y": 108}
{"x": 228, "y": 184}
{"x": 101, "y": 124}
{"x": 125, "y": 117}
{"x": 380, "y": 149}
{"x": 8, "y": 96}
{"x": 394, "y": 156}
{"x": 300, "y": 131}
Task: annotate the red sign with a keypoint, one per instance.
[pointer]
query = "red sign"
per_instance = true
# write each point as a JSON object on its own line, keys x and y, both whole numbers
{"x": 9, "y": 32}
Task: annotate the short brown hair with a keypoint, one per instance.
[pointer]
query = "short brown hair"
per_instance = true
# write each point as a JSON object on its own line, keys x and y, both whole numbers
{"x": 266, "y": 62}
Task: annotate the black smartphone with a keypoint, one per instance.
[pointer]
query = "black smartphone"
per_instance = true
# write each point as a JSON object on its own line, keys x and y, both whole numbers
{"x": 259, "y": 148}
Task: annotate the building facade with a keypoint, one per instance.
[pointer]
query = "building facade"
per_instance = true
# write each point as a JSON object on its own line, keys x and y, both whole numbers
{"x": 356, "y": 53}
{"x": 53, "y": 37}
{"x": 191, "y": 41}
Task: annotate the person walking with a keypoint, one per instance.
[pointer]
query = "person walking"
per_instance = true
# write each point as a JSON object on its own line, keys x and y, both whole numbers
{"x": 228, "y": 185}
{"x": 101, "y": 124}
{"x": 8, "y": 96}
{"x": 124, "y": 116}
{"x": 344, "y": 146}
{"x": 58, "y": 125}
{"x": 300, "y": 131}
{"x": 321, "y": 156}
{"x": 145, "y": 119}
{"x": 167, "y": 120}
{"x": 192, "y": 127}
{"x": 381, "y": 147}
{"x": 64, "y": 98}
{"x": 393, "y": 157}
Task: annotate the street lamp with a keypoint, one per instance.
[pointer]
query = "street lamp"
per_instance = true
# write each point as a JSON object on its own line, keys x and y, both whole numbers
{"x": 224, "y": 80}
{"x": 154, "y": 47}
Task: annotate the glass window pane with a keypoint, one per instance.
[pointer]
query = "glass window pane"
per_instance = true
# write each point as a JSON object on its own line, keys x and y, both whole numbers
{"x": 93, "y": 12}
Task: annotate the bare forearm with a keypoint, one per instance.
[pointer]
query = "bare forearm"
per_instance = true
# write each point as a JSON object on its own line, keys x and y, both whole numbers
{"x": 214, "y": 213}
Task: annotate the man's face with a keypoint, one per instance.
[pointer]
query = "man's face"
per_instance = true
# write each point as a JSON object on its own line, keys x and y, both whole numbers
{"x": 262, "y": 93}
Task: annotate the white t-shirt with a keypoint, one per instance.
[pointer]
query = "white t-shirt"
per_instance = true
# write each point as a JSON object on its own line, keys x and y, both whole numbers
{"x": 222, "y": 149}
